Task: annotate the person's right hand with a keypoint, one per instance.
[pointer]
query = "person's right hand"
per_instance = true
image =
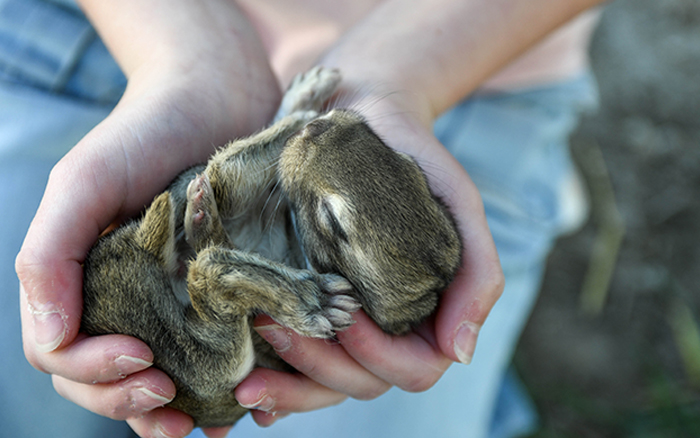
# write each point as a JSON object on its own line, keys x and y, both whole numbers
{"x": 198, "y": 77}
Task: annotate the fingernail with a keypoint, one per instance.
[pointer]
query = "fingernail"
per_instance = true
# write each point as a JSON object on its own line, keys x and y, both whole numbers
{"x": 128, "y": 365}
{"x": 265, "y": 403}
{"x": 465, "y": 342}
{"x": 163, "y": 428}
{"x": 144, "y": 399}
{"x": 276, "y": 336}
{"x": 49, "y": 327}
{"x": 271, "y": 418}
{"x": 160, "y": 432}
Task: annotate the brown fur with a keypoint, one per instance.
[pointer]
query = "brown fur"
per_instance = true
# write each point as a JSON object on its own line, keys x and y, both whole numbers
{"x": 351, "y": 220}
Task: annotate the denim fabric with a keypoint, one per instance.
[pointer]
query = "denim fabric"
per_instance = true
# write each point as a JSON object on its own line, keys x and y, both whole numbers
{"x": 57, "y": 81}
{"x": 515, "y": 146}
{"x": 52, "y": 47}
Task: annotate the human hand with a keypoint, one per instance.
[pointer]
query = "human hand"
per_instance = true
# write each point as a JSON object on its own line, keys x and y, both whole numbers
{"x": 366, "y": 362}
{"x": 427, "y": 56}
{"x": 198, "y": 78}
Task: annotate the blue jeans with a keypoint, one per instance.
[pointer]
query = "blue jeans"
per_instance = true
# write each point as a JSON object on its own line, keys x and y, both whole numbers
{"x": 57, "y": 81}
{"x": 515, "y": 147}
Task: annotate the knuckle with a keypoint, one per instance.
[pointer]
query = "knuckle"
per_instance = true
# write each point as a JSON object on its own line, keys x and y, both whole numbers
{"x": 421, "y": 383}
{"x": 60, "y": 171}
{"x": 25, "y": 266}
{"x": 306, "y": 367}
{"x": 122, "y": 404}
{"x": 115, "y": 412}
{"x": 32, "y": 356}
{"x": 60, "y": 387}
{"x": 495, "y": 282}
{"x": 491, "y": 289}
{"x": 114, "y": 401}
{"x": 371, "y": 392}
{"x": 499, "y": 283}
{"x": 33, "y": 360}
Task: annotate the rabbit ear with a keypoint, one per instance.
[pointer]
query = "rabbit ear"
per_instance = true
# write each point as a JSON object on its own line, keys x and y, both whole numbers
{"x": 156, "y": 233}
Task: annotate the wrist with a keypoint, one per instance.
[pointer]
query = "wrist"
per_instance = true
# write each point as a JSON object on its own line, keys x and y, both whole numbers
{"x": 218, "y": 96}
{"x": 379, "y": 96}
{"x": 206, "y": 50}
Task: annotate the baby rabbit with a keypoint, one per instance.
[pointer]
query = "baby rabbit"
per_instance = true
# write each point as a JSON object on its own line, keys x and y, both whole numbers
{"x": 302, "y": 221}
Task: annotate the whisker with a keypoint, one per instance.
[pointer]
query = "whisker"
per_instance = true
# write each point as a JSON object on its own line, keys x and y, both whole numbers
{"x": 381, "y": 117}
{"x": 267, "y": 201}
{"x": 436, "y": 173}
{"x": 273, "y": 216}
{"x": 272, "y": 165}
{"x": 350, "y": 99}
{"x": 366, "y": 104}
{"x": 249, "y": 173}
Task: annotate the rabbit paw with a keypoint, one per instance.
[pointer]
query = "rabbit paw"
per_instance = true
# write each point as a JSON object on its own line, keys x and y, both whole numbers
{"x": 309, "y": 91}
{"x": 202, "y": 224}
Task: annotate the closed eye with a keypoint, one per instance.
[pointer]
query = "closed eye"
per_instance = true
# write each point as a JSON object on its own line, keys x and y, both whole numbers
{"x": 317, "y": 127}
{"x": 330, "y": 221}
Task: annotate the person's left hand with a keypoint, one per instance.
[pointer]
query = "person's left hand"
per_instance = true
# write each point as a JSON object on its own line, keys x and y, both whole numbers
{"x": 366, "y": 362}
{"x": 198, "y": 76}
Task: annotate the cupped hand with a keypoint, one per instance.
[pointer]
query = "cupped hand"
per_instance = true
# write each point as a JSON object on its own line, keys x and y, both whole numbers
{"x": 178, "y": 106}
{"x": 365, "y": 362}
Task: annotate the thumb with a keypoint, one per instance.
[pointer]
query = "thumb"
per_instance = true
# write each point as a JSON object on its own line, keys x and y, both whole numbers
{"x": 48, "y": 265}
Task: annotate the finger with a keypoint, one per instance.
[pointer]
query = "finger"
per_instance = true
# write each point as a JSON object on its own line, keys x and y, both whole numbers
{"x": 324, "y": 361}
{"x": 71, "y": 215}
{"x": 478, "y": 284}
{"x": 272, "y": 395}
{"x": 216, "y": 432}
{"x": 128, "y": 398}
{"x": 465, "y": 306}
{"x": 49, "y": 320}
{"x": 98, "y": 359}
{"x": 412, "y": 362}
{"x": 266, "y": 419}
{"x": 162, "y": 423}
{"x": 273, "y": 391}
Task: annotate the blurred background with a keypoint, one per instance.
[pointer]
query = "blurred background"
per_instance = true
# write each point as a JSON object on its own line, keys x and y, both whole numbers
{"x": 613, "y": 346}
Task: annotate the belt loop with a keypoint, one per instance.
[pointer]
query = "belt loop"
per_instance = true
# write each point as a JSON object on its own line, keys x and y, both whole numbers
{"x": 41, "y": 42}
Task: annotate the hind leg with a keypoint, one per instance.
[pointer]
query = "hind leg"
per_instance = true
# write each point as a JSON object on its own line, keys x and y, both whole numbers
{"x": 225, "y": 283}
